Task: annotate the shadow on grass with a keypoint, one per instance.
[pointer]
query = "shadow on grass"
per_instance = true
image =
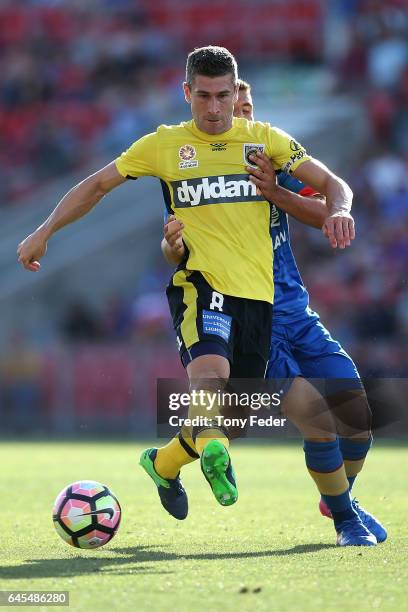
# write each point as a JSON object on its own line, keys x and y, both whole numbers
{"x": 107, "y": 563}
{"x": 138, "y": 555}
{"x": 118, "y": 558}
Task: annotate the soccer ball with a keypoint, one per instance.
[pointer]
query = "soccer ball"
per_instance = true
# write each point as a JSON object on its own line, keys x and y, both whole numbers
{"x": 86, "y": 514}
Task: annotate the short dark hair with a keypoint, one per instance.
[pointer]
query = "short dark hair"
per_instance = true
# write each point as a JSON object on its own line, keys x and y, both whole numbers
{"x": 243, "y": 85}
{"x": 211, "y": 61}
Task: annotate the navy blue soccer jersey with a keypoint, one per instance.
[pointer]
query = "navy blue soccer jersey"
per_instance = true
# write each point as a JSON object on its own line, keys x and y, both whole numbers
{"x": 291, "y": 301}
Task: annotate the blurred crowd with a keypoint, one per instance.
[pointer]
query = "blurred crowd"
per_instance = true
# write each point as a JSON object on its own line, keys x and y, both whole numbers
{"x": 76, "y": 82}
{"x": 84, "y": 79}
{"x": 81, "y": 80}
{"x": 368, "y": 304}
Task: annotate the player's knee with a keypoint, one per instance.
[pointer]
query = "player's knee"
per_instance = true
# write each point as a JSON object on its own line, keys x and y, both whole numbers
{"x": 352, "y": 412}
{"x": 307, "y": 409}
{"x": 208, "y": 371}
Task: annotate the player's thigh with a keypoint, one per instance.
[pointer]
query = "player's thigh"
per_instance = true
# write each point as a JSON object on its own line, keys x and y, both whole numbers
{"x": 248, "y": 365}
{"x": 318, "y": 354}
{"x": 321, "y": 357}
{"x": 253, "y": 343}
{"x": 206, "y": 327}
{"x": 332, "y": 371}
{"x": 203, "y": 319}
{"x": 282, "y": 367}
{"x": 253, "y": 338}
{"x": 305, "y": 407}
{"x": 250, "y": 358}
{"x": 282, "y": 363}
{"x": 338, "y": 380}
{"x": 247, "y": 374}
{"x": 301, "y": 403}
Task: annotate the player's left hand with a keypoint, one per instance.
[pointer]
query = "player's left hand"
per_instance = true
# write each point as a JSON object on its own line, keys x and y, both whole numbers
{"x": 264, "y": 176}
{"x": 339, "y": 229}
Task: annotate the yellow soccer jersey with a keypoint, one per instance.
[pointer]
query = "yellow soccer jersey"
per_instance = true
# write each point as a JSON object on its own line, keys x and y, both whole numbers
{"x": 205, "y": 185}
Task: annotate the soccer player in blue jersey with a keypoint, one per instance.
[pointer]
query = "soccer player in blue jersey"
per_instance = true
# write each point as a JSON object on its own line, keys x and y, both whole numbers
{"x": 301, "y": 347}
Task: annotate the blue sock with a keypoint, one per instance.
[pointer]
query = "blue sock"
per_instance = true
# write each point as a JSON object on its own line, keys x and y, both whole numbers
{"x": 340, "y": 507}
{"x": 325, "y": 464}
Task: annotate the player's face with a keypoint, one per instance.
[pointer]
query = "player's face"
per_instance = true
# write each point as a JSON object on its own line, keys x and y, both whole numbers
{"x": 243, "y": 107}
{"x": 212, "y": 102}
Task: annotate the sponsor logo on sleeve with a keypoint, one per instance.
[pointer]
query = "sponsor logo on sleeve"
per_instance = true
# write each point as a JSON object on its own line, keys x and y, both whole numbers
{"x": 293, "y": 159}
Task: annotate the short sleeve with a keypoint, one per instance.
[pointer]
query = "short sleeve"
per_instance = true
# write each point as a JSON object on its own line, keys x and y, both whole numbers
{"x": 289, "y": 182}
{"x": 293, "y": 184}
{"x": 140, "y": 159}
{"x": 285, "y": 152}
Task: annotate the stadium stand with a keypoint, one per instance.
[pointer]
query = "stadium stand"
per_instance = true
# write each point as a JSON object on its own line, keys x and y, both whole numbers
{"x": 73, "y": 92}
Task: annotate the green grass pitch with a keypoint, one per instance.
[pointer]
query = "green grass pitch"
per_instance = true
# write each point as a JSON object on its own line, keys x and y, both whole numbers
{"x": 271, "y": 551}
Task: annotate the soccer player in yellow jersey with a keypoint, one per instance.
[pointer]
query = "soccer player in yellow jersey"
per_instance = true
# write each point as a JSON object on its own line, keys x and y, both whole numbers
{"x": 301, "y": 348}
{"x": 221, "y": 298}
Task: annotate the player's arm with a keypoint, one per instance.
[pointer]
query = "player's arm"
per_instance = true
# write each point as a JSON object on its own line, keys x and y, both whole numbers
{"x": 309, "y": 210}
{"x": 139, "y": 160}
{"x": 338, "y": 226}
{"x": 172, "y": 245}
{"x": 306, "y": 209}
{"x": 79, "y": 201}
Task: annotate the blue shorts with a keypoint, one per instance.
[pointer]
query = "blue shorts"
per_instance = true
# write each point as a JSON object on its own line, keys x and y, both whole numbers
{"x": 306, "y": 348}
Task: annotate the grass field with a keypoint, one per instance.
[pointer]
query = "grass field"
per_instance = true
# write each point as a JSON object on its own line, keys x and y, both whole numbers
{"x": 271, "y": 551}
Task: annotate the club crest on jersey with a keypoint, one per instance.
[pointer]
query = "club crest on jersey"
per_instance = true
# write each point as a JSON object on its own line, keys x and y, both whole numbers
{"x": 295, "y": 146}
{"x": 251, "y": 148}
{"x": 187, "y": 153}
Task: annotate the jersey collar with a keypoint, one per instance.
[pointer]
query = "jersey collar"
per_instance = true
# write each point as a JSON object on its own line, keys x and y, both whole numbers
{"x": 212, "y": 137}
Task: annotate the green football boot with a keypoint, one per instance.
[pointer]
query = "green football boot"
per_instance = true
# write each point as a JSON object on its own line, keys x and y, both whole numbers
{"x": 217, "y": 469}
{"x": 171, "y": 492}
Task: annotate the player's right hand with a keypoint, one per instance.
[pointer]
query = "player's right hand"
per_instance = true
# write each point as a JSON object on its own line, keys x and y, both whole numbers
{"x": 173, "y": 233}
{"x": 30, "y": 250}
